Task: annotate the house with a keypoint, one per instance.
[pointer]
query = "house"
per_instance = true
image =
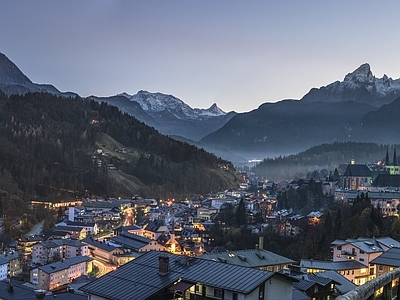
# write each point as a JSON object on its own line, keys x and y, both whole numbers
{"x": 314, "y": 218}
{"x": 316, "y": 287}
{"x": 13, "y": 260}
{"x": 75, "y": 232}
{"x": 104, "y": 250}
{"x": 12, "y": 289}
{"x": 386, "y": 202}
{"x": 91, "y": 228}
{"x": 293, "y": 226}
{"x": 386, "y": 262}
{"x": 58, "y": 275}
{"x": 342, "y": 286}
{"x": 253, "y": 258}
{"x": 353, "y": 271}
{"x": 136, "y": 243}
{"x": 206, "y": 213}
{"x": 362, "y": 250}
{"x": 54, "y": 234}
{"x": 156, "y": 275}
{"x": 24, "y": 244}
{"x": 52, "y": 250}
{"x": 3, "y": 269}
{"x": 154, "y": 229}
{"x": 135, "y": 229}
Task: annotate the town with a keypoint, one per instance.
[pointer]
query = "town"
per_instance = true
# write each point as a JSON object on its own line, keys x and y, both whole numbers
{"x": 213, "y": 246}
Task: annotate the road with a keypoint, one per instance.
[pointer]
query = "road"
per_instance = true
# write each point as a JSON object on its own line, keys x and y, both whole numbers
{"x": 104, "y": 267}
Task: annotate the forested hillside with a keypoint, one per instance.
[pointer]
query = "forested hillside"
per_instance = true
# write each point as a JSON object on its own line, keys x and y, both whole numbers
{"x": 48, "y": 145}
{"x": 325, "y": 156}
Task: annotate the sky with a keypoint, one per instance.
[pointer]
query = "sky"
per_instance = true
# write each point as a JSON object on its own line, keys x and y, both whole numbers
{"x": 238, "y": 54}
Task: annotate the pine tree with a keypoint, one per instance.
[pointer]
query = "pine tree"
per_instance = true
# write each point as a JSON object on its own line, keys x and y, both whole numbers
{"x": 241, "y": 213}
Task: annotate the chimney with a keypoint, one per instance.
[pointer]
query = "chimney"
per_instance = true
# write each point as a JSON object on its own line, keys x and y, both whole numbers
{"x": 163, "y": 265}
{"x": 71, "y": 213}
{"x": 261, "y": 242}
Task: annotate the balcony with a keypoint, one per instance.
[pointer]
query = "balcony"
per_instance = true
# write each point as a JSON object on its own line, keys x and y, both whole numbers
{"x": 348, "y": 253}
{"x": 383, "y": 287}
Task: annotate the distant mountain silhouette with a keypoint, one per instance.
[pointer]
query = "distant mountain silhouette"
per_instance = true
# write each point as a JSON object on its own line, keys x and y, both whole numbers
{"x": 13, "y": 81}
{"x": 359, "y": 86}
{"x": 359, "y": 108}
{"x": 170, "y": 115}
{"x": 341, "y": 111}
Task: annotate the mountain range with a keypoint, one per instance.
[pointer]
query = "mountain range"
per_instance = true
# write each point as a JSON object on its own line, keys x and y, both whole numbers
{"x": 170, "y": 115}
{"x": 359, "y": 108}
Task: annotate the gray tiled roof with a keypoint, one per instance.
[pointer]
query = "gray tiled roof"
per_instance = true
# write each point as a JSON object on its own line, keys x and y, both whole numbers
{"x": 252, "y": 258}
{"x": 141, "y": 277}
{"x": 297, "y": 295}
{"x": 154, "y": 225}
{"x": 98, "y": 244}
{"x": 132, "y": 241}
{"x": 308, "y": 280}
{"x": 303, "y": 285}
{"x": 330, "y": 265}
{"x": 389, "y": 258}
{"x": 65, "y": 264}
{"x": 357, "y": 170}
{"x": 384, "y": 180}
{"x": 21, "y": 292}
{"x": 68, "y": 242}
{"x": 344, "y": 285}
{"x": 369, "y": 245}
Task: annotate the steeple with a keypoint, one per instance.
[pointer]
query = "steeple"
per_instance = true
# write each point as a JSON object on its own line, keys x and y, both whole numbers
{"x": 395, "y": 158}
{"x": 387, "y": 163}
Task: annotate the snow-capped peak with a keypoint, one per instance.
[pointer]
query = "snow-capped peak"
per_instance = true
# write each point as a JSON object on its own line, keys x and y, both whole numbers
{"x": 362, "y": 74}
{"x": 158, "y": 102}
{"x": 216, "y": 110}
{"x": 359, "y": 86}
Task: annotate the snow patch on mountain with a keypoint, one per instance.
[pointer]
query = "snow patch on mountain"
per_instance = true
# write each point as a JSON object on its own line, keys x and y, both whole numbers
{"x": 360, "y": 86}
{"x": 158, "y": 102}
{"x": 363, "y": 76}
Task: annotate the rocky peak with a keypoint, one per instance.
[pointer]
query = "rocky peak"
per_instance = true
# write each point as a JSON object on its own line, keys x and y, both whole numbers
{"x": 362, "y": 74}
{"x": 10, "y": 74}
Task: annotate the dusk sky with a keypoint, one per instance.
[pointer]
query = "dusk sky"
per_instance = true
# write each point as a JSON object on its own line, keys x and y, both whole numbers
{"x": 238, "y": 54}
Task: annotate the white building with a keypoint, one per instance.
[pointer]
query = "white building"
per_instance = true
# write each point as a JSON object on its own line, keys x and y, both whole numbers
{"x": 3, "y": 269}
{"x": 362, "y": 250}
{"x": 59, "y": 274}
{"x": 49, "y": 251}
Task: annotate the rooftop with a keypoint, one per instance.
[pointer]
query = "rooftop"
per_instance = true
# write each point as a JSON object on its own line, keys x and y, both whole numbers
{"x": 65, "y": 264}
{"x": 252, "y": 258}
{"x": 142, "y": 278}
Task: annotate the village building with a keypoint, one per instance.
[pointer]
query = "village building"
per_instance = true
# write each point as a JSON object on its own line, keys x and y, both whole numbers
{"x": 156, "y": 274}
{"x": 59, "y": 274}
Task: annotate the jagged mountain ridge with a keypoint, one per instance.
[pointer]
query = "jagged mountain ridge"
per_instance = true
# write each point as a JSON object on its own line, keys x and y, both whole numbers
{"x": 359, "y": 86}
{"x": 336, "y": 112}
{"x": 170, "y": 115}
{"x": 130, "y": 107}
{"x": 166, "y": 113}
{"x": 333, "y": 112}
{"x": 13, "y": 81}
{"x": 158, "y": 102}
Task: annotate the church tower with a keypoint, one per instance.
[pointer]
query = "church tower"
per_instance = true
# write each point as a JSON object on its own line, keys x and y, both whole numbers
{"x": 393, "y": 168}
